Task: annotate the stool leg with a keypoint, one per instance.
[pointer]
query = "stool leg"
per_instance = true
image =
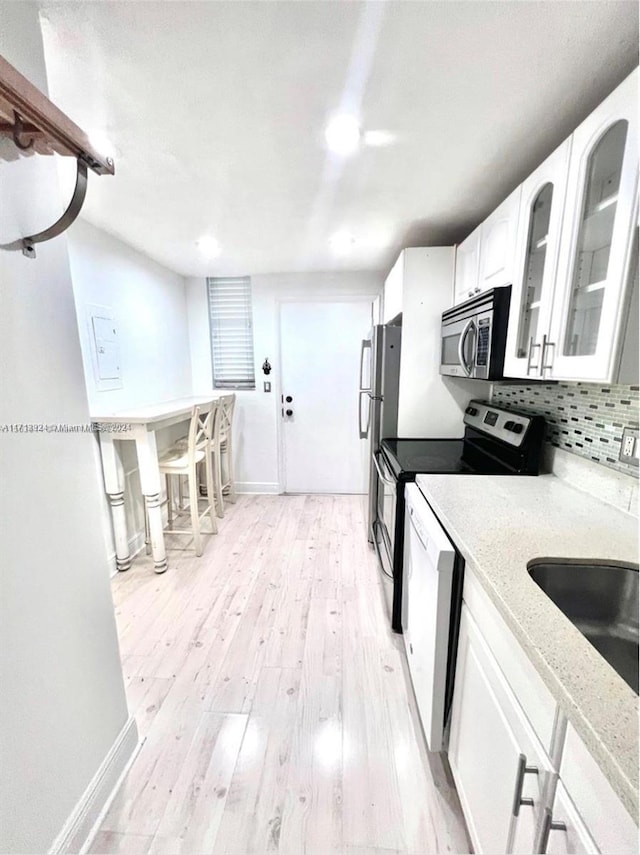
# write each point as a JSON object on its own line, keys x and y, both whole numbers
{"x": 193, "y": 507}
{"x": 230, "y": 473}
{"x": 180, "y": 494}
{"x": 217, "y": 477}
{"x": 208, "y": 469}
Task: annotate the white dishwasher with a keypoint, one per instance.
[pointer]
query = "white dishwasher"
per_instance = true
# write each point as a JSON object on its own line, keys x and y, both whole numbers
{"x": 432, "y": 569}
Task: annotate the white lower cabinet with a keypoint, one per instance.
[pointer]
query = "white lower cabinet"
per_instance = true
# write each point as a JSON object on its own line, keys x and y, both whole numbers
{"x": 498, "y": 764}
{"x": 527, "y": 782}
{"x": 563, "y": 831}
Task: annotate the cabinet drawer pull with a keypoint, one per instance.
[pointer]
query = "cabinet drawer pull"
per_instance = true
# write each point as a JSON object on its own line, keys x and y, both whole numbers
{"x": 548, "y": 825}
{"x": 518, "y": 800}
{"x": 532, "y": 347}
{"x": 545, "y": 344}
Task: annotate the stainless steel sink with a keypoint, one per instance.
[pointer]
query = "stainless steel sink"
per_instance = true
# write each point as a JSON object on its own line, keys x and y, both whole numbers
{"x": 601, "y": 600}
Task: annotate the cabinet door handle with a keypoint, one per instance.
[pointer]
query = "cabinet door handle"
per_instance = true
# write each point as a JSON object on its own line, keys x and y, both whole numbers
{"x": 532, "y": 347}
{"x": 518, "y": 800}
{"x": 545, "y": 344}
{"x": 548, "y": 825}
{"x": 476, "y": 290}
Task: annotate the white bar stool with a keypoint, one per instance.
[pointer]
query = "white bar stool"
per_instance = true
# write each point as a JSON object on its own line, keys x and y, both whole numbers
{"x": 184, "y": 462}
{"x": 222, "y": 451}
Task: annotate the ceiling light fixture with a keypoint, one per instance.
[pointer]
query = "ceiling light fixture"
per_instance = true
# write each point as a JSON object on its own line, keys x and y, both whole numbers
{"x": 208, "y": 246}
{"x": 341, "y": 242}
{"x": 343, "y": 135}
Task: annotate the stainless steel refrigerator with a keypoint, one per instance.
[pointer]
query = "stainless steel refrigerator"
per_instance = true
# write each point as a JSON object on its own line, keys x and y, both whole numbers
{"x": 378, "y": 399}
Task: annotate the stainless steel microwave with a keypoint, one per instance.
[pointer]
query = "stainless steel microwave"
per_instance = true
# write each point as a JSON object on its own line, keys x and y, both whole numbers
{"x": 474, "y": 336}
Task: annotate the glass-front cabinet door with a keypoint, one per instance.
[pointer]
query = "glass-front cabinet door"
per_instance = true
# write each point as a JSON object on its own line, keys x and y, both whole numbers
{"x": 540, "y": 222}
{"x": 598, "y": 233}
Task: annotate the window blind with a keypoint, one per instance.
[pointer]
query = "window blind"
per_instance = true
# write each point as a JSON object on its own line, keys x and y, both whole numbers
{"x": 231, "y": 327}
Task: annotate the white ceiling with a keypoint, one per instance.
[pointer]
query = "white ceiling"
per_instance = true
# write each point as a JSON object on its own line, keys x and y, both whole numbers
{"x": 217, "y": 113}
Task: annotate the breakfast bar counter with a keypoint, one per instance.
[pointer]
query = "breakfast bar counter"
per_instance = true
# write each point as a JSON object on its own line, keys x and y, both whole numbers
{"x": 139, "y": 425}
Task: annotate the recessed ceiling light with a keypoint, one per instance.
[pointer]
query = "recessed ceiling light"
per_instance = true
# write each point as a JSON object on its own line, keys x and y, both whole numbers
{"x": 208, "y": 246}
{"x": 341, "y": 242}
{"x": 343, "y": 135}
{"x": 379, "y": 139}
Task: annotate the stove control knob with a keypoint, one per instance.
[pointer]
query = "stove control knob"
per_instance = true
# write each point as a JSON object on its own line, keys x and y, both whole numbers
{"x": 509, "y": 425}
{"x": 471, "y": 411}
{"x": 517, "y": 427}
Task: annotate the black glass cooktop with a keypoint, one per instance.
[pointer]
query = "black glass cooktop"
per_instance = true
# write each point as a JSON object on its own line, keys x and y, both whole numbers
{"x": 410, "y": 457}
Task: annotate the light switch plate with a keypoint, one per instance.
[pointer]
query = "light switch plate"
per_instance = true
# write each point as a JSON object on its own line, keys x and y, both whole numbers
{"x": 629, "y": 447}
{"x": 267, "y": 385}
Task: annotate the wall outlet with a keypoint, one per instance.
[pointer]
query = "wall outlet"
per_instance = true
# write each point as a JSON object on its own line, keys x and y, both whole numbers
{"x": 629, "y": 447}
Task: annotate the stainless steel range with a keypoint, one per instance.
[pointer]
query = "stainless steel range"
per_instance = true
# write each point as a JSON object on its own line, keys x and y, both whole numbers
{"x": 496, "y": 442}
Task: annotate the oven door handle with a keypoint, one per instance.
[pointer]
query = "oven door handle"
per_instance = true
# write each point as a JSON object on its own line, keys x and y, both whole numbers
{"x": 382, "y": 478}
{"x": 461, "y": 343}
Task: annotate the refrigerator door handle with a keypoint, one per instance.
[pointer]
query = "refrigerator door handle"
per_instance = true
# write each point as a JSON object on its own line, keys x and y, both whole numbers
{"x": 364, "y": 433}
{"x": 366, "y": 344}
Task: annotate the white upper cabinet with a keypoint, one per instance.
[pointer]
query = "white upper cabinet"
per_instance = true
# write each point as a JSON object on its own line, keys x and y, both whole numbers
{"x": 597, "y": 242}
{"x": 393, "y": 287}
{"x": 542, "y": 201}
{"x": 485, "y": 259}
{"x": 467, "y": 267}
{"x": 498, "y": 244}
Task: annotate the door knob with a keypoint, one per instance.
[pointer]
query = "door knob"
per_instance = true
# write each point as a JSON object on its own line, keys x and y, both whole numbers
{"x": 288, "y": 399}
{"x": 288, "y": 412}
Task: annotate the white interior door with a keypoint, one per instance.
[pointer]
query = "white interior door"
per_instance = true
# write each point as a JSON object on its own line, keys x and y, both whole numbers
{"x": 320, "y": 364}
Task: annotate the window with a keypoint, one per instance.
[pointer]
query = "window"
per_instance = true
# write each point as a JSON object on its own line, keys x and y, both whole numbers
{"x": 231, "y": 328}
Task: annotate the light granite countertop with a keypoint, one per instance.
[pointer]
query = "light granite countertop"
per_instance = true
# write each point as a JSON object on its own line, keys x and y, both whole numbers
{"x": 499, "y": 525}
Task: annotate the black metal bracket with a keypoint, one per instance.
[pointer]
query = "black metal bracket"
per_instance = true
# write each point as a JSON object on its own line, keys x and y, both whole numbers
{"x": 73, "y": 209}
{"x": 18, "y": 130}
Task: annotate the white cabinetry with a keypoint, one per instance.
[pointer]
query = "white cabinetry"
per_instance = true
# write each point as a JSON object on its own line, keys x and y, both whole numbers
{"x": 393, "y": 288}
{"x": 598, "y": 233}
{"x": 542, "y": 203}
{"x": 564, "y": 832}
{"x": 498, "y": 764}
{"x": 420, "y": 285}
{"x": 485, "y": 259}
{"x": 573, "y": 286}
{"x": 498, "y": 244}
{"x": 467, "y": 266}
{"x": 526, "y": 781}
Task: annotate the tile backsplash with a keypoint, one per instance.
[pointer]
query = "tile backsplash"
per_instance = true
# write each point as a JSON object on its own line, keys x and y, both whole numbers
{"x": 583, "y": 418}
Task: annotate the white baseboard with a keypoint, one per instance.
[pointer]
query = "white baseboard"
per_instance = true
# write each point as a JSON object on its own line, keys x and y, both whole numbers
{"x": 268, "y": 487}
{"x": 83, "y": 822}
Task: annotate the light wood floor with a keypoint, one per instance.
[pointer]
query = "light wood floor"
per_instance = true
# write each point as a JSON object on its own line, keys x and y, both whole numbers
{"x": 272, "y": 698}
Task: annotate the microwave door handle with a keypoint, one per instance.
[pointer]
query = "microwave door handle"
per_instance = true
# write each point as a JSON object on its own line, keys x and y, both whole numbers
{"x": 366, "y": 343}
{"x": 461, "y": 343}
{"x": 363, "y": 431}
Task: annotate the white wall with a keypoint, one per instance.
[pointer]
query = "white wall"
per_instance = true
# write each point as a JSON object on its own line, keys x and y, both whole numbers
{"x": 256, "y": 430}
{"x": 62, "y": 697}
{"x": 150, "y": 311}
{"x": 149, "y": 305}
